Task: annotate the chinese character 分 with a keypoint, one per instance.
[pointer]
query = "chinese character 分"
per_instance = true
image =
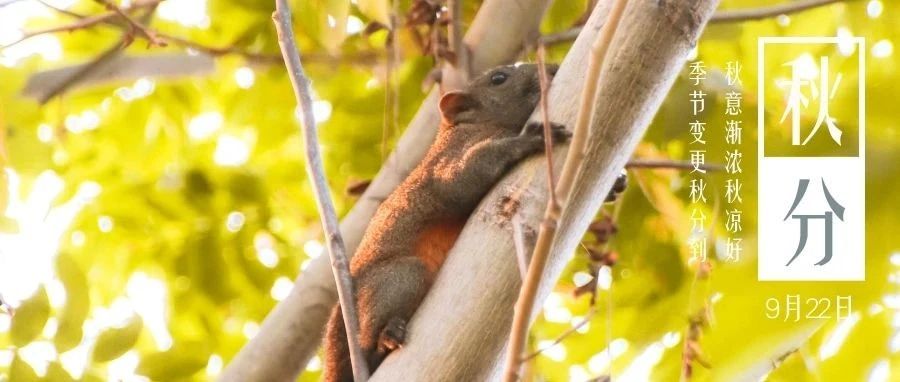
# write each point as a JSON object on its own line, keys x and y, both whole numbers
{"x": 836, "y": 209}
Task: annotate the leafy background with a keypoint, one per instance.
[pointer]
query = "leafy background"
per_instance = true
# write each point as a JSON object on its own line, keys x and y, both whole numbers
{"x": 151, "y": 222}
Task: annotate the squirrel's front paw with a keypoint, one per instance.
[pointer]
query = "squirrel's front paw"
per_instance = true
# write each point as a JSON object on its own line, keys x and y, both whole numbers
{"x": 393, "y": 335}
{"x": 557, "y": 131}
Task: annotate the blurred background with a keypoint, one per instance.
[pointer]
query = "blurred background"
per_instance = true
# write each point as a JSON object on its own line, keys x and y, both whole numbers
{"x": 154, "y": 205}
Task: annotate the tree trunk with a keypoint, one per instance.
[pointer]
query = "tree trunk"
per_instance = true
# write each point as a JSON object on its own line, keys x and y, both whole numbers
{"x": 459, "y": 332}
{"x": 291, "y": 333}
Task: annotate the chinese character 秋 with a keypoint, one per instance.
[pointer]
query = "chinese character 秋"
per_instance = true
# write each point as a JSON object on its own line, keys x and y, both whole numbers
{"x": 698, "y": 190}
{"x": 733, "y": 190}
{"x": 733, "y": 73}
{"x": 821, "y": 93}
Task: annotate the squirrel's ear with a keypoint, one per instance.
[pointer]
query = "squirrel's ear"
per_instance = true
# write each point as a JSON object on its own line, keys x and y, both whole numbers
{"x": 454, "y": 103}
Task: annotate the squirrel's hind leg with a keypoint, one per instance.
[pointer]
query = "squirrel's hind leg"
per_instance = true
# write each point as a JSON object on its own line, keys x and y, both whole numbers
{"x": 388, "y": 295}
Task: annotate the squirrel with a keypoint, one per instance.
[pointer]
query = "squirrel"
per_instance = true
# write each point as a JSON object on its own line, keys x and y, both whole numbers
{"x": 479, "y": 139}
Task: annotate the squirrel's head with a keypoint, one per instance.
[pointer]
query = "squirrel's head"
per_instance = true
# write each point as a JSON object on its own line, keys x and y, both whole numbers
{"x": 504, "y": 96}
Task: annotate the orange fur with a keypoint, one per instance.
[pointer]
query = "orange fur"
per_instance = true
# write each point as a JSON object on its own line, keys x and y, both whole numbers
{"x": 435, "y": 241}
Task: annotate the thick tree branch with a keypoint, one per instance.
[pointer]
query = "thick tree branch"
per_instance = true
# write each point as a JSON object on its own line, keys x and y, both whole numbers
{"x": 316, "y": 172}
{"x": 457, "y": 334}
{"x": 291, "y": 333}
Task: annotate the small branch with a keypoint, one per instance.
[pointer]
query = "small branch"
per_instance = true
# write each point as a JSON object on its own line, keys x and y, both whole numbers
{"x": 109, "y": 19}
{"x": 8, "y": 2}
{"x": 560, "y": 37}
{"x": 85, "y": 22}
{"x": 455, "y": 36}
{"x": 135, "y": 25}
{"x": 669, "y": 164}
{"x": 725, "y": 16}
{"x": 60, "y": 10}
{"x": 574, "y": 158}
{"x": 545, "y": 120}
{"x": 97, "y": 63}
{"x": 9, "y": 308}
{"x": 316, "y": 173}
{"x": 729, "y": 16}
{"x": 587, "y": 318}
{"x": 86, "y": 70}
{"x": 217, "y": 51}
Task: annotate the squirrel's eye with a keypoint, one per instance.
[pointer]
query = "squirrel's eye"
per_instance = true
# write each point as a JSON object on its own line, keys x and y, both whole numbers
{"x": 498, "y": 78}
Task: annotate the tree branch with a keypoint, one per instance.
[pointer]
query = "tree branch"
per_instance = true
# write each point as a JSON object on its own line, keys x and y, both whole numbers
{"x": 87, "y": 21}
{"x": 290, "y": 334}
{"x": 134, "y": 24}
{"x": 457, "y": 333}
{"x": 736, "y": 15}
{"x": 573, "y": 162}
{"x": 724, "y": 16}
{"x": 316, "y": 172}
{"x": 669, "y": 164}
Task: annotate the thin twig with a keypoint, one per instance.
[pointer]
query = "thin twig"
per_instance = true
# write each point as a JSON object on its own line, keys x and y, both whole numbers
{"x": 725, "y": 16}
{"x": 84, "y": 71}
{"x": 8, "y": 2}
{"x": 670, "y": 164}
{"x": 9, "y": 308}
{"x": 728, "y": 16}
{"x": 135, "y": 25}
{"x": 217, "y": 51}
{"x": 528, "y": 292}
{"x": 455, "y": 37}
{"x": 316, "y": 173}
{"x": 85, "y": 22}
{"x": 587, "y": 318}
{"x": 98, "y": 62}
{"x": 545, "y": 120}
{"x": 109, "y": 19}
{"x": 60, "y": 10}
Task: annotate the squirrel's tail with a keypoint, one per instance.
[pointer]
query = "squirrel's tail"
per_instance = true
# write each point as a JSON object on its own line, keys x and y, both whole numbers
{"x": 337, "y": 367}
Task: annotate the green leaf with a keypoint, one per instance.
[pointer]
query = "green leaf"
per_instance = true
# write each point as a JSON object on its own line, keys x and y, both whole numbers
{"x": 377, "y": 10}
{"x": 114, "y": 342}
{"x": 30, "y": 318}
{"x": 56, "y": 373}
{"x": 20, "y": 371}
{"x": 176, "y": 363}
{"x": 333, "y": 23}
{"x": 7, "y": 225}
{"x": 69, "y": 331}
